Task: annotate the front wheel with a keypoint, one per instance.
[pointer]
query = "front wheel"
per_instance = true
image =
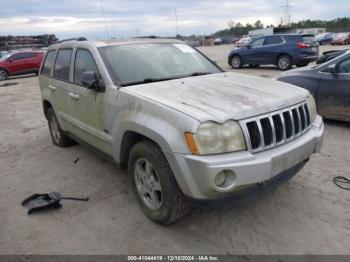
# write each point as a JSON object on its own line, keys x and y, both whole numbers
{"x": 284, "y": 62}
{"x": 154, "y": 184}
{"x": 3, "y": 75}
{"x": 236, "y": 62}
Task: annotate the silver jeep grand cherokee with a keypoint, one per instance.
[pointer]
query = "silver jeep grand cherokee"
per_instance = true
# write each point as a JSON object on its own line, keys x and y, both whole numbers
{"x": 183, "y": 128}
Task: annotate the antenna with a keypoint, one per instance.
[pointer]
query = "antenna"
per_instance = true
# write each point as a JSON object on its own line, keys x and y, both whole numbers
{"x": 104, "y": 18}
{"x": 176, "y": 21}
{"x": 287, "y": 15}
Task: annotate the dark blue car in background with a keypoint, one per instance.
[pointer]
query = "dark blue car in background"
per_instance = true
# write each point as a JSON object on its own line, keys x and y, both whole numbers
{"x": 284, "y": 51}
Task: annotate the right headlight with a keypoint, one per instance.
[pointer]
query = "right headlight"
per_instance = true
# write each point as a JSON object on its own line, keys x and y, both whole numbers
{"x": 312, "y": 108}
{"x": 213, "y": 138}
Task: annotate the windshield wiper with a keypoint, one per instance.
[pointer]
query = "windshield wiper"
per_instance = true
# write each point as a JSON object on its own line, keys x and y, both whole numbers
{"x": 200, "y": 73}
{"x": 150, "y": 80}
{"x": 153, "y": 80}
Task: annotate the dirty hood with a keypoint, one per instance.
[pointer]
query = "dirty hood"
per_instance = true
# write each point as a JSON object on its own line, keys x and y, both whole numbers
{"x": 223, "y": 96}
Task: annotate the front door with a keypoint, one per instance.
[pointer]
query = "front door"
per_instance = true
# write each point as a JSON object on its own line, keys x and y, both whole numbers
{"x": 255, "y": 52}
{"x": 333, "y": 96}
{"x": 90, "y": 105}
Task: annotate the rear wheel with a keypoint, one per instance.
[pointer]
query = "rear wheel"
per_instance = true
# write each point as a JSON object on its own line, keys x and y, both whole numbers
{"x": 3, "y": 75}
{"x": 154, "y": 184}
{"x": 284, "y": 62}
{"x": 236, "y": 62}
{"x": 57, "y": 135}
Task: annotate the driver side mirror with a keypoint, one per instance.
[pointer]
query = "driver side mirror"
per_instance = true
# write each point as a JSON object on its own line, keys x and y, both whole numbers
{"x": 333, "y": 68}
{"x": 91, "y": 81}
{"x": 248, "y": 46}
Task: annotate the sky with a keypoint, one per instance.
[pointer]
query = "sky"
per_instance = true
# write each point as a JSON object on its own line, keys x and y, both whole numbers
{"x": 123, "y": 18}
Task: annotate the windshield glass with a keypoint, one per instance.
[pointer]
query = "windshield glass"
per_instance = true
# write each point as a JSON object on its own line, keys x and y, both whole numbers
{"x": 4, "y": 57}
{"x": 141, "y": 63}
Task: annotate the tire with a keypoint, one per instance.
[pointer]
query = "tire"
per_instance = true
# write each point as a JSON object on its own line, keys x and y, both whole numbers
{"x": 284, "y": 62}
{"x": 302, "y": 64}
{"x": 236, "y": 62}
{"x": 3, "y": 75}
{"x": 57, "y": 135}
{"x": 151, "y": 175}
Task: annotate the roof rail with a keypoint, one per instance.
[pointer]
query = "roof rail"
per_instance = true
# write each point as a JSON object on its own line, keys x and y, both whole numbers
{"x": 71, "y": 39}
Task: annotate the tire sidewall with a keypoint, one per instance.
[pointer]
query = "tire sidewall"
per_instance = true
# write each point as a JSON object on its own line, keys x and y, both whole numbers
{"x": 51, "y": 114}
{"x": 5, "y": 74}
{"x": 290, "y": 62}
{"x": 231, "y": 62}
{"x": 144, "y": 150}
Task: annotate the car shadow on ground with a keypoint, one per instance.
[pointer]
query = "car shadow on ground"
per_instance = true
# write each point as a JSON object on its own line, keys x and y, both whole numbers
{"x": 338, "y": 123}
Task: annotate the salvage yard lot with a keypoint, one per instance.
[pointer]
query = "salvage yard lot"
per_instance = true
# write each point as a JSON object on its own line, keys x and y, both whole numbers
{"x": 307, "y": 215}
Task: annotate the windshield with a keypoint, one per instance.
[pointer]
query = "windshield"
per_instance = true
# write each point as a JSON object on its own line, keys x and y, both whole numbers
{"x": 4, "y": 57}
{"x": 142, "y": 63}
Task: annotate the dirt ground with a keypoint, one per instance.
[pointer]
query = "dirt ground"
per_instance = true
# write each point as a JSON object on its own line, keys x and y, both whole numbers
{"x": 307, "y": 215}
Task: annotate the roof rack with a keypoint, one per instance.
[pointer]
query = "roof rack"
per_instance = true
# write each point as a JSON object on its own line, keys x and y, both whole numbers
{"x": 71, "y": 39}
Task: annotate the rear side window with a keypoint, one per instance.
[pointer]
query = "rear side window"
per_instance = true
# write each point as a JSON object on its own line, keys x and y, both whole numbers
{"x": 62, "y": 65}
{"x": 84, "y": 62}
{"x": 273, "y": 40}
{"x": 46, "y": 70}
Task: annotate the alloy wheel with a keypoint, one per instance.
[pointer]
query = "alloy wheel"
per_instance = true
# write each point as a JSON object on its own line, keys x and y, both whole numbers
{"x": 148, "y": 184}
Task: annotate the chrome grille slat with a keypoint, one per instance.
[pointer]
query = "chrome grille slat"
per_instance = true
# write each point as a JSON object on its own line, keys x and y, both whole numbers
{"x": 281, "y": 125}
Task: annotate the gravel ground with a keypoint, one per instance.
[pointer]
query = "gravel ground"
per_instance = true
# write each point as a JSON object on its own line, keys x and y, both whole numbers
{"x": 307, "y": 215}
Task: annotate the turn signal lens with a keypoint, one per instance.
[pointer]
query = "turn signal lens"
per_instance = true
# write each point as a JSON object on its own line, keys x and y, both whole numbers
{"x": 191, "y": 143}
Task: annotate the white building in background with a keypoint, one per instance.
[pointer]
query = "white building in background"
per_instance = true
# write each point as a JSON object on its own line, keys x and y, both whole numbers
{"x": 313, "y": 31}
{"x": 285, "y": 30}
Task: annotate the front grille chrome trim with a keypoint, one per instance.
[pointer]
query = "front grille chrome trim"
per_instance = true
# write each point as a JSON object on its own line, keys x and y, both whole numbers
{"x": 279, "y": 115}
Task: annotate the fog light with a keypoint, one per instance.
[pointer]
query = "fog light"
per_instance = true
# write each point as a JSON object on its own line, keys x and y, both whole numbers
{"x": 225, "y": 179}
{"x": 220, "y": 178}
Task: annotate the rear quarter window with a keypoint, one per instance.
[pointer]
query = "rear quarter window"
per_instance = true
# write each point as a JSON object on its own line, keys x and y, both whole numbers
{"x": 46, "y": 70}
{"x": 62, "y": 64}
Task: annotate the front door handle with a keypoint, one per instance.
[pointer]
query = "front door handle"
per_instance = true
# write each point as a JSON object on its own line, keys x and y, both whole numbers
{"x": 74, "y": 96}
{"x": 52, "y": 88}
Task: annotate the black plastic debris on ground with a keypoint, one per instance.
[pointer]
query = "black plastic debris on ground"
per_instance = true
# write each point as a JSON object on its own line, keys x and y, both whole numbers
{"x": 52, "y": 200}
{"x": 9, "y": 84}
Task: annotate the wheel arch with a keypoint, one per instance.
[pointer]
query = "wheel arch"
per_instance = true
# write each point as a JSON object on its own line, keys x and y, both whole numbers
{"x": 46, "y": 106}
{"x": 281, "y": 54}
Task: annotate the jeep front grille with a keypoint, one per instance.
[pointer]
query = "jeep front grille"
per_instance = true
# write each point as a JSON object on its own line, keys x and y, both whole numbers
{"x": 277, "y": 128}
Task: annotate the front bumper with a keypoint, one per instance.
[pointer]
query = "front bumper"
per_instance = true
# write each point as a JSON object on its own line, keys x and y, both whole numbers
{"x": 198, "y": 172}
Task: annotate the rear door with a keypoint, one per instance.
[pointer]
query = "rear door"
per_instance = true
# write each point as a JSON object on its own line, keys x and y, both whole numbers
{"x": 333, "y": 97}
{"x": 90, "y": 104}
{"x": 60, "y": 85}
{"x": 271, "y": 50}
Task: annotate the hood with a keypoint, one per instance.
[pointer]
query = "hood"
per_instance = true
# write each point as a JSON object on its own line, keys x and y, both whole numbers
{"x": 223, "y": 96}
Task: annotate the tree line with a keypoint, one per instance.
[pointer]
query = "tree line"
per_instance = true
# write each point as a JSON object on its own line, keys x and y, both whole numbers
{"x": 238, "y": 29}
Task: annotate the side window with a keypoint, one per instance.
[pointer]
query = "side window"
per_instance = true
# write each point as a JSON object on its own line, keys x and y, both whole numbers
{"x": 257, "y": 42}
{"x": 273, "y": 40}
{"x": 344, "y": 66}
{"x": 18, "y": 56}
{"x": 30, "y": 55}
{"x": 83, "y": 62}
{"x": 62, "y": 64}
{"x": 46, "y": 70}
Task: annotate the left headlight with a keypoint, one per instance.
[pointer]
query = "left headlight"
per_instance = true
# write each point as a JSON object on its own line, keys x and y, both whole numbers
{"x": 213, "y": 138}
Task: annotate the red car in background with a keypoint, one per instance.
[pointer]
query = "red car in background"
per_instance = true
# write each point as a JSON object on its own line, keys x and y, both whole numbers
{"x": 20, "y": 63}
{"x": 341, "y": 39}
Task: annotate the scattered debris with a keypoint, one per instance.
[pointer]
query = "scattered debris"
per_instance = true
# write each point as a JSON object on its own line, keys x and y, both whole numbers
{"x": 76, "y": 160}
{"x": 38, "y": 202}
{"x": 342, "y": 182}
{"x": 9, "y": 84}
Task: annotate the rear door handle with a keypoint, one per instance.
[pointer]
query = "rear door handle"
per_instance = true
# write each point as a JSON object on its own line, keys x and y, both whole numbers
{"x": 74, "y": 96}
{"x": 53, "y": 88}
